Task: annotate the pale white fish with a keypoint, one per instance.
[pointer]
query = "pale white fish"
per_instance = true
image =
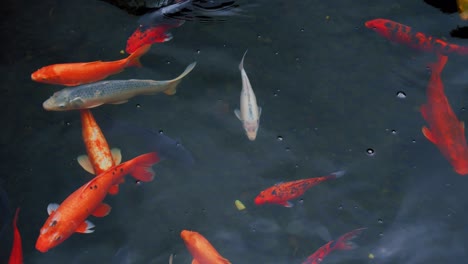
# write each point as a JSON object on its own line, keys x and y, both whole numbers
{"x": 109, "y": 92}
{"x": 249, "y": 113}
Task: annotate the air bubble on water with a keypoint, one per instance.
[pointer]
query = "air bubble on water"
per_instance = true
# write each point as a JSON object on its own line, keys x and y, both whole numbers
{"x": 401, "y": 94}
{"x": 198, "y": 51}
{"x": 340, "y": 207}
{"x": 67, "y": 123}
{"x": 137, "y": 182}
{"x": 296, "y": 166}
{"x": 394, "y": 132}
{"x": 161, "y": 132}
{"x": 380, "y": 221}
{"x": 463, "y": 109}
{"x": 280, "y": 138}
{"x": 168, "y": 62}
{"x": 413, "y": 141}
{"x": 370, "y": 152}
{"x": 259, "y": 36}
{"x": 138, "y": 105}
{"x": 276, "y": 53}
{"x": 297, "y": 59}
{"x": 287, "y": 149}
{"x": 302, "y": 29}
{"x": 381, "y": 234}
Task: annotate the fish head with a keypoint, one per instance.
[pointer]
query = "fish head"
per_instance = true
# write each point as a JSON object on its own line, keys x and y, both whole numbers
{"x": 51, "y": 234}
{"x": 381, "y": 26}
{"x": 251, "y": 128}
{"x": 260, "y": 199}
{"x": 460, "y": 165}
{"x": 188, "y": 236}
{"x": 45, "y": 75}
{"x": 62, "y": 101}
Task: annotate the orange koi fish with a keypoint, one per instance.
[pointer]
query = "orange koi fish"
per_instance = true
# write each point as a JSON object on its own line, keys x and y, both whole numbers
{"x": 201, "y": 250}
{"x": 445, "y": 130}
{"x": 16, "y": 255}
{"x": 70, "y": 216}
{"x": 100, "y": 158}
{"x": 342, "y": 243}
{"x": 403, "y": 34}
{"x": 73, "y": 74}
{"x": 282, "y": 192}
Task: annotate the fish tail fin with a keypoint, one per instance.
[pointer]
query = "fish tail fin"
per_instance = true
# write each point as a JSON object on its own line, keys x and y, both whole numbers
{"x": 338, "y": 174}
{"x": 172, "y": 84}
{"x": 241, "y": 64}
{"x": 134, "y": 59}
{"x": 438, "y": 66}
{"x": 142, "y": 170}
{"x": 345, "y": 242}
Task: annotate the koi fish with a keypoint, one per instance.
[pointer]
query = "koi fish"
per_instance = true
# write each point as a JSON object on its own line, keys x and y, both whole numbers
{"x": 445, "y": 130}
{"x": 109, "y": 92}
{"x": 201, "y": 250}
{"x": 249, "y": 113}
{"x": 342, "y": 243}
{"x": 70, "y": 216}
{"x": 403, "y": 34}
{"x": 16, "y": 256}
{"x": 282, "y": 192}
{"x": 144, "y": 35}
{"x": 100, "y": 158}
{"x": 73, "y": 74}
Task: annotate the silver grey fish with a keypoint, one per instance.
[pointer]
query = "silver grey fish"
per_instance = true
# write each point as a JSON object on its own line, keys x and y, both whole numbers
{"x": 109, "y": 92}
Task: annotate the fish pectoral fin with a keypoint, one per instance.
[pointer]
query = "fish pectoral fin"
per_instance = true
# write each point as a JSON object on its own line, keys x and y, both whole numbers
{"x": 52, "y": 207}
{"x": 77, "y": 101}
{"x": 428, "y": 134}
{"x": 116, "y": 155}
{"x": 85, "y": 227}
{"x": 287, "y": 204}
{"x": 102, "y": 210}
{"x": 114, "y": 189}
{"x": 171, "y": 91}
{"x": 237, "y": 112}
{"x": 85, "y": 163}
{"x": 119, "y": 102}
{"x": 259, "y": 111}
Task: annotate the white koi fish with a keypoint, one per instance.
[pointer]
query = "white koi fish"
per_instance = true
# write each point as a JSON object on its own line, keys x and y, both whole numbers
{"x": 249, "y": 113}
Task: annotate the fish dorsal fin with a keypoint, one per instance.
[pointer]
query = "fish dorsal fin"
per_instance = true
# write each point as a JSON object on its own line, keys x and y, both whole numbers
{"x": 85, "y": 228}
{"x": 116, "y": 155}
{"x": 102, "y": 210}
{"x": 238, "y": 114}
{"x": 428, "y": 134}
{"x": 85, "y": 163}
{"x": 52, "y": 207}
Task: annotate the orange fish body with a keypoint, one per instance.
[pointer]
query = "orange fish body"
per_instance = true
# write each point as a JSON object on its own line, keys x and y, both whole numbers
{"x": 282, "y": 192}
{"x": 16, "y": 255}
{"x": 73, "y": 74}
{"x": 445, "y": 130}
{"x": 70, "y": 216}
{"x": 201, "y": 250}
{"x": 100, "y": 158}
{"x": 403, "y": 34}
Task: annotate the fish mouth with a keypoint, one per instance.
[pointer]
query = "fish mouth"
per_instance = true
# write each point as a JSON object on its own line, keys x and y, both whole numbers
{"x": 252, "y": 135}
{"x": 40, "y": 247}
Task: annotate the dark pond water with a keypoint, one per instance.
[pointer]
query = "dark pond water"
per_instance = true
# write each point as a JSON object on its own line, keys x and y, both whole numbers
{"x": 328, "y": 89}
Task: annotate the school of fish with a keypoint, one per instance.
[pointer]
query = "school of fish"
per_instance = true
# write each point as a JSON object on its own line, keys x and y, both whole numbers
{"x": 87, "y": 89}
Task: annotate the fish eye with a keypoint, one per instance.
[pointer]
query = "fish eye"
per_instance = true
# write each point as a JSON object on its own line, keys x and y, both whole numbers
{"x": 57, "y": 238}
{"x": 53, "y": 223}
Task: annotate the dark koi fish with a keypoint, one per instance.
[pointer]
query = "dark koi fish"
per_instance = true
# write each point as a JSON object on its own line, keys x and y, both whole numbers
{"x": 282, "y": 192}
{"x": 403, "y": 34}
{"x": 342, "y": 243}
{"x": 445, "y": 130}
{"x": 16, "y": 256}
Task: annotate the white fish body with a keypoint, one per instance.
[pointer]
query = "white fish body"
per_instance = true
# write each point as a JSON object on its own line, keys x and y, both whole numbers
{"x": 249, "y": 113}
